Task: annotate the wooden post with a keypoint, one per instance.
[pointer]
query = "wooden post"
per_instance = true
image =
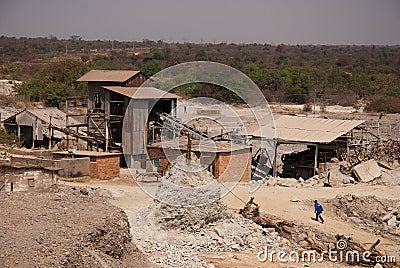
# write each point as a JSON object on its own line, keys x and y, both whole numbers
{"x": 33, "y": 135}
{"x": 316, "y": 159}
{"x": 189, "y": 146}
{"x": 77, "y": 139}
{"x": 89, "y": 146}
{"x": 274, "y": 168}
{"x": 19, "y": 133}
{"x": 66, "y": 122}
{"x": 106, "y": 136}
{"x": 347, "y": 145}
{"x": 50, "y": 134}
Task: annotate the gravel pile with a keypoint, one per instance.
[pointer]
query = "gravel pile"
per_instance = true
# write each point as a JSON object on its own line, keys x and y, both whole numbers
{"x": 178, "y": 247}
{"x": 187, "y": 184}
{"x": 171, "y": 235}
{"x": 190, "y": 218}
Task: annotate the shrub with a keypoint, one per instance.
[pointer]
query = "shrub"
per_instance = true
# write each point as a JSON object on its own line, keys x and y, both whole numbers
{"x": 7, "y": 139}
{"x": 388, "y": 104}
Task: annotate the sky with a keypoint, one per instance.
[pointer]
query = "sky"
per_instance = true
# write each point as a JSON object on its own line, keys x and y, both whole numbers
{"x": 338, "y": 22}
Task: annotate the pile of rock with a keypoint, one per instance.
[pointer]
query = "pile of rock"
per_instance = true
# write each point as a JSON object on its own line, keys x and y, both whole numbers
{"x": 368, "y": 213}
{"x": 188, "y": 197}
{"x": 170, "y": 235}
{"x": 188, "y": 184}
{"x": 177, "y": 247}
{"x": 296, "y": 183}
{"x": 392, "y": 219}
{"x": 190, "y": 218}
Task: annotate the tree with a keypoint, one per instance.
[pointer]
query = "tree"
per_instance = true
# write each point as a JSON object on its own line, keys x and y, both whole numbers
{"x": 53, "y": 83}
{"x": 151, "y": 67}
{"x": 75, "y": 38}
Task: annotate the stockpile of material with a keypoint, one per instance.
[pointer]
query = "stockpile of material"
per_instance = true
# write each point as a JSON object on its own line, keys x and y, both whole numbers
{"x": 195, "y": 220}
{"x": 189, "y": 197}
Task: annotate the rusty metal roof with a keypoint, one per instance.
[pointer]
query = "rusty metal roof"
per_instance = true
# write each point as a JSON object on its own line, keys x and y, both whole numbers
{"x": 310, "y": 129}
{"x": 107, "y": 76}
{"x": 142, "y": 92}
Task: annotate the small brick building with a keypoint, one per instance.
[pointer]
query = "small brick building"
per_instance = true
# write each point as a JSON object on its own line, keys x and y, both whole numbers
{"x": 102, "y": 165}
{"x": 225, "y": 160}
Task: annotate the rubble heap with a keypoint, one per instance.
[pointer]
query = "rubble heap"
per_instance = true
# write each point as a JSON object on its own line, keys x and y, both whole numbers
{"x": 387, "y": 151}
{"x": 369, "y": 212}
{"x": 392, "y": 219}
{"x": 189, "y": 197}
{"x": 190, "y": 219}
{"x": 188, "y": 184}
{"x": 171, "y": 234}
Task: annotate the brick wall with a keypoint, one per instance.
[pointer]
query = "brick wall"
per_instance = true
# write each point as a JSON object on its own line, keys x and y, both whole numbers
{"x": 233, "y": 166}
{"x": 227, "y": 166}
{"x": 105, "y": 167}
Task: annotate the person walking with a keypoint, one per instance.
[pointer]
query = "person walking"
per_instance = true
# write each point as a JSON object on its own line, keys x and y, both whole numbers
{"x": 318, "y": 210}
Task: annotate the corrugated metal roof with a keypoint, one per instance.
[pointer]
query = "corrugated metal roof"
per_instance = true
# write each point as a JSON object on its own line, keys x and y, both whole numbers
{"x": 310, "y": 129}
{"x": 200, "y": 146}
{"x": 107, "y": 76}
{"x": 142, "y": 92}
{"x": 58, "y": 118}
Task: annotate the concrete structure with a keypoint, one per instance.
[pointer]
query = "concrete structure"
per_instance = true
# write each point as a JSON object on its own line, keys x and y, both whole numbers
{"x": 32, "y": 126}
{"x": 19, "y": 177}
{"x": 69, "y": 167}
{"x": 367, "y": 171}
{"x": 102, "y": 165}
{"x": 227, "y": 161}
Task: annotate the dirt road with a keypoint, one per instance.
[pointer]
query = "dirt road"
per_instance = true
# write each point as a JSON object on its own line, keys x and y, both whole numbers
{"x": 277, "y": 201}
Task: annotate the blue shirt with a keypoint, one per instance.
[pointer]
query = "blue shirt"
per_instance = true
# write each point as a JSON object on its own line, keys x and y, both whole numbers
{"x": 318, "y": 207}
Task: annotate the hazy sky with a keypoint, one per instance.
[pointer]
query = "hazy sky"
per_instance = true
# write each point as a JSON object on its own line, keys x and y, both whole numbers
{"x": 239, "y": 21}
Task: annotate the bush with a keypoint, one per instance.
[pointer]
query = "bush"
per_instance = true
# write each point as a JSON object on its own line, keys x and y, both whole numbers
{"x": 384, "y": 105}
{"x": 7, "y": 139}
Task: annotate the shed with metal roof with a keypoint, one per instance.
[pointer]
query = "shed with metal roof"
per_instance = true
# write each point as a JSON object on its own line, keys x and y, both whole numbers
{"x": 32, "y": 125}
{"x": 321, "y": 135}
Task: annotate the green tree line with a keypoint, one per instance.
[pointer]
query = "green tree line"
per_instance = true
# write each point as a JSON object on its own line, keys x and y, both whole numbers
{"x": 284, "y": 73}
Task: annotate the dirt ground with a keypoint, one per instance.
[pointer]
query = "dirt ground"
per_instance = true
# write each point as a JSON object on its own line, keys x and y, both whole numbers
{"x": 276, "y": 200}
{"x": 72, "y": 227}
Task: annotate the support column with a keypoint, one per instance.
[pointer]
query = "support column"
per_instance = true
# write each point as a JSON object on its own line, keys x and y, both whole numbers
{"x": 50, "y": 134}
{"x": 106, "y": 136}
{"x": 274, "y": 168}
{"x": 19, "y": 134}
{"x": 66, "y": 122}
{"x": 33, "y": 136}
{"x": 316, "y": 158}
